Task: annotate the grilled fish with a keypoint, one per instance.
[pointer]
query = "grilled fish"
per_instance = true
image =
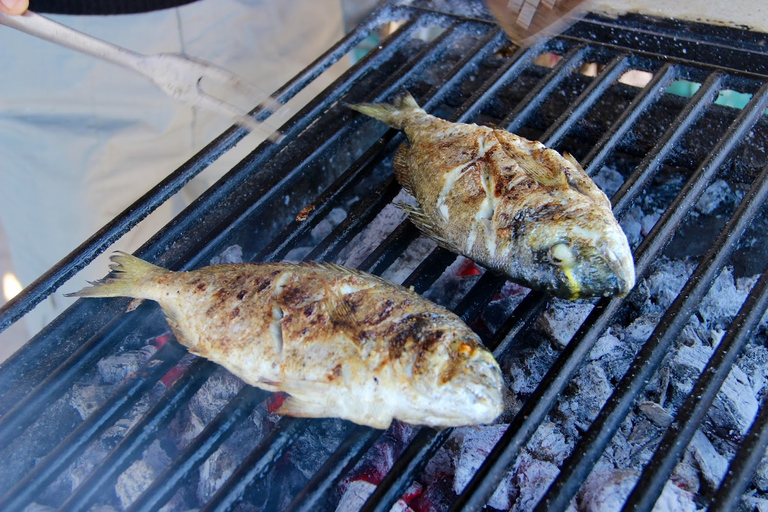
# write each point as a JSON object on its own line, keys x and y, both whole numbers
{"x": 510, "y": 204}
{"x": 341, "y": 342}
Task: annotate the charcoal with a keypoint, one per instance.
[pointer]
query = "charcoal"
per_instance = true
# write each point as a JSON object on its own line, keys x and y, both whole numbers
{"x": 712, "y": 466}
{"x": 232, "y": 254}
{"x": 641, "y": 441}
{"x": 140, "y": 474}
{"x": 437, "y": 497}
{"x": 503, "y": 304}
{"x": 734, "y": 408}
{"x": 714, "y": 196}
{"x": 387, "y": 219}
{"x": 214, "y": 394}
{"x": 214, "y": 472}
{"x": 585, "y": 395}
{"x": 86, "y": 399}
{"x": 655, "y": 413}
{"x": 724, "y": 299}
{"x": 320, "y": 440}
{"x": 609, "y": 180}
{"x": 527, "y": 366}
{"x": 455, "y": 282}
{"x": 561, "y": 320}
{"x": 220, "y": 465}
{"x": 297, "y": 254}
{"x": 409, "y": 260}
{"x": 641, "y": 329}
{"x": 475, "y": 444}
{"x": 686, "y": 475}
{"x": 606, "y": 491}
{"x": 648, "y": 222}
{"x": 114, "y": 369}
{"x": 613, "y": 355}
{"x": 631, "y": 224}
{"x": 549, "y": 444}
{"x": 37, "y": 507}
{"x": 325, "y": 226}
{"x": 755, "y": 504}
{"x": 532, "y": 478}
{"x": 655, "y": 293}
{"x": 754, "y": 363}
{"x": 357, "y": 492}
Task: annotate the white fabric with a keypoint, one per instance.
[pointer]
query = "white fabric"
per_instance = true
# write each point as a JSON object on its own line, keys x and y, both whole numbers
{"x": 81, "y": 139}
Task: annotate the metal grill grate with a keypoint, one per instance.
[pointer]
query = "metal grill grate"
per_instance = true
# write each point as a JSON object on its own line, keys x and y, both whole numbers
{"x": 461, "y": 68}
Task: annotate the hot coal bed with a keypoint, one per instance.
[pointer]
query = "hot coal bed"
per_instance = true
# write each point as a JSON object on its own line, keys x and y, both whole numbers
{"x": 655, "y": 399}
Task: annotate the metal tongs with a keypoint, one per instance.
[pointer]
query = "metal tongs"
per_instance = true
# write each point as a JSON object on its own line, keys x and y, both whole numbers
{"x": 178, "y": 76}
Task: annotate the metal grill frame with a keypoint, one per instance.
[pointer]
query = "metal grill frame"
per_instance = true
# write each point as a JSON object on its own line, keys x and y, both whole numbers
{"x": 42, "y": 371}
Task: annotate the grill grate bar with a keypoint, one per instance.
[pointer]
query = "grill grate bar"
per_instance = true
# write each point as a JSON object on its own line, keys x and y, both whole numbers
{"x": 533, "y": 100}
{"x": 205, "y": 444}
{"x": 586, "y": 100}
{"x": 65, "y": 452}
{"x": 650, "y": 94}
{"x": 693, "y": 110}
{"x": 23, "y": 412}
{"x": 257, "y": 464}
{"x": 328, "y": 476}
{"x": 140, "y": 435}
{"x": 747, "y": 458}
{"x": 577, "y": 467}
{"x": 689, "y": 416}
{"x": 424, "y": 445}
{"x": 533, "y": 412}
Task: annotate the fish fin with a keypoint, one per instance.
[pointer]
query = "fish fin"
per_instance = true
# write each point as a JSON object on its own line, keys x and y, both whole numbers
{"x": 401, "y": 168}
{"x": 540, "y": 163}
{"x": 297, "y": 407}
{"x": 389, "y": 114}
{"x": 424, "y": 224}
{"x": 546, "y": 176}
{"x": 343, "y": 271}
{"x": 127, "y": 274}
{"x": 406, "y": 101}
{"x": 573, "y": 160}
{"x": 582, "y": 183}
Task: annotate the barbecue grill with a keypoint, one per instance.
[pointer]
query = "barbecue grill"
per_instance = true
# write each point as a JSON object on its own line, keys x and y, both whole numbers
{"x": 317, "y": 194}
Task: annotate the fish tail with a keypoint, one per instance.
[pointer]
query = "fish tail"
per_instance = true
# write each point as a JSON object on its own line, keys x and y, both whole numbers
{"x": 128, "y": 274}
{"x": 394, "y": 115}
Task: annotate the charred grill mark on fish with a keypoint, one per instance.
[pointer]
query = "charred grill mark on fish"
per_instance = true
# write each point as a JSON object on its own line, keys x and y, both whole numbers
{"x": 504, "y": 201}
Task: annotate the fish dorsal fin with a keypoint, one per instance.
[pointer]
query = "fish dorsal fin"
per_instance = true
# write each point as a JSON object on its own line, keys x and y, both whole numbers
{"x": 424, "y": 224}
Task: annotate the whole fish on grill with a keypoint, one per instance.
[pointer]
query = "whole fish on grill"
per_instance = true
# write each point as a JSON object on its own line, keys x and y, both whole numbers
{"x": 509, "y": 203}
{"x": 341, "y": 342}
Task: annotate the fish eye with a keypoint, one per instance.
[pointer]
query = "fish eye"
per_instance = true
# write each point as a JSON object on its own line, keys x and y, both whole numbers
{"x": 561, "y": 254}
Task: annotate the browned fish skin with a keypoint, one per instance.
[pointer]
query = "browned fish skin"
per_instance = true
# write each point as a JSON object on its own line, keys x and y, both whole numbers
{"x": 341, "y": 342}
{"x": 511, "y": 204}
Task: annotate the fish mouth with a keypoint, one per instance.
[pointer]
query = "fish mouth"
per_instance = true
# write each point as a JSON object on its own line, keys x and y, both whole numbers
{"x": 615, "y": 279}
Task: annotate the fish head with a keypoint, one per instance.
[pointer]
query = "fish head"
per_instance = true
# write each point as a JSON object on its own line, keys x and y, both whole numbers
{"x": 581, "y": 252}
{"x": 464, "y": 386}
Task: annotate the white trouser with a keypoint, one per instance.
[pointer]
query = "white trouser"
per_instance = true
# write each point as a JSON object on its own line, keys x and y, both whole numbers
{"x": 81, "y": 139}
